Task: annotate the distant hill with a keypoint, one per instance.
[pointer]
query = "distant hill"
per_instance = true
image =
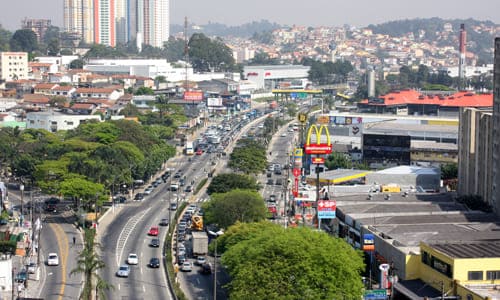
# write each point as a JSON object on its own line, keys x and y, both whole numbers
{"x": 478, "y": 41}
{"x": 216, "y": 29}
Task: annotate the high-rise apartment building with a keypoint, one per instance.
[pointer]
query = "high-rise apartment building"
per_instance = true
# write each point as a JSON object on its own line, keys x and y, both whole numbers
{"x": 79, "y": 19}
{"x": 104, "y": 22}
{"x": 495, "y": 181}
{"x": 153, "y": 21}
{"x": 13, "y": 66}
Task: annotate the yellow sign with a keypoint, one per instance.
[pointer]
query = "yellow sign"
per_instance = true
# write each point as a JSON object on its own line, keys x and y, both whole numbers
{"x": 302, "y": 118}
{"x": 318, "y": 147}
{"x": 298, "y": 152}
{"x": 323, "y": 119}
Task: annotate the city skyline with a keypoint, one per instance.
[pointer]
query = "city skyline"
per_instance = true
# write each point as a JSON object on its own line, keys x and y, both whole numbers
{"x": 282, "y": 12}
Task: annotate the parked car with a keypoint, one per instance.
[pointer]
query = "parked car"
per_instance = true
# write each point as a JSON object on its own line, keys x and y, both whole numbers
{"x": 32, "y": 268}
{"x": 154, "y": 262}
{"x": 123, "y": 271}
{"x": 53, "y": 259}
{"x": 139, "y": 197}
{"x": 181, "y": 259}
{"x": 132, "y": 259}
{"x": 21, "y": 276}
{"x": 270, "y": 182}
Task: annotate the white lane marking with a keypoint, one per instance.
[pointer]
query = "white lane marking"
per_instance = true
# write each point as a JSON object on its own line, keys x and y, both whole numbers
{"x": 127, "y": 229}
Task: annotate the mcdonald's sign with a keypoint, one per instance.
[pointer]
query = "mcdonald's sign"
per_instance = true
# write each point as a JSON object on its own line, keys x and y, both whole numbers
{"x": 318, "y": 147}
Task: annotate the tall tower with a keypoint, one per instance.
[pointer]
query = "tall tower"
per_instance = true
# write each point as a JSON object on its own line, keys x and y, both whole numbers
{"x": 461, "y": 63}
{"x": 78, "y": 19}
{"x": 495, "y": 139}
{"x": 153, "y": 21}
{"x": 104, "y": 22}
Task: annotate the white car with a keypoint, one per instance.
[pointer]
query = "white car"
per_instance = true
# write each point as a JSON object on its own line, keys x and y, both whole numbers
{"x": 200, "y": 260}
{"x": 186, "y": 266}
{"x": 123, "y": 271}
{"x": 132, "y": 259}
{"x": 53, "y": 259}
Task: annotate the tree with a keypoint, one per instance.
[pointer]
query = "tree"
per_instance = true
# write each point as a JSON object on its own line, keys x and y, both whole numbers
{"x": 77, "y": 64}
{"x": 53, "y": 47}
{"x": 144, "y": 91}
{"x": 79, "y": 188}
{"x": 237, "y": 205}
{"x": 175, "y": 48}
{"x": 266, "y": 261}
{"x": 5, "y": 37}
{"x": 449, "y": 171}
{"x": 209, "y": 55}
{"x": 88, "y": 264}
{"x": 248, "y": 157}
{"x": 24, "y": 40}
{"x": 224, "y": 183}
{"x": 338, "y": 160}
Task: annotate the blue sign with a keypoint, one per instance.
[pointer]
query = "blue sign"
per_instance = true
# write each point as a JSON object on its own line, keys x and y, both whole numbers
{"x": 327, "y": 214}
{"x": 375, "y": 295}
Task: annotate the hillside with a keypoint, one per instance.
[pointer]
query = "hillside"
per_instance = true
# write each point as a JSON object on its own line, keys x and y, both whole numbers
{"x": 216, "y": 29}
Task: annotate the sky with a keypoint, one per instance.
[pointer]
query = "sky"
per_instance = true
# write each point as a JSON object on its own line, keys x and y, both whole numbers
{"x": 285, "y": 12}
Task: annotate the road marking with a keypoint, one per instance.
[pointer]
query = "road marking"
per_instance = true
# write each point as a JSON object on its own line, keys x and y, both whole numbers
{"x": 125, "y": 233}
{"x": 62, "y": 245}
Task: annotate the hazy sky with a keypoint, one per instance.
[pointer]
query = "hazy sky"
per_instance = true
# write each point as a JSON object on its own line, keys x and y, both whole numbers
{"x": 285, "y": 12}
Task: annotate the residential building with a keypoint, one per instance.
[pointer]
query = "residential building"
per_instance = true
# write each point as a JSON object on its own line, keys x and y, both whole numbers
{"x": 98, "y": 93}
{"x": 79, "y": 19}
{"x": 104, "y": 22}
{"x": 153, "y": 22}
{"x": 53, "y": 121}
{"x": 495, "y": 140}
{"x": 38, "y": 26}
{"x": 475, "y": 153}
{"x": 13, "y": 66}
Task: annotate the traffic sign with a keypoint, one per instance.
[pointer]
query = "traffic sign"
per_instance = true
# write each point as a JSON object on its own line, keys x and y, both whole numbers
{"x": 296, "y": 172}
{"x": 302, "y": 118}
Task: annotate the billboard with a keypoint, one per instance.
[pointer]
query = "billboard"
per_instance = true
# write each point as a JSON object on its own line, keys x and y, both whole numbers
{"x": 193, "y": 95}
{"x": 340, "y": 120}
{"x": 211, "y": 102}
{"x": 379, "y": 148}
{"x": 327, "y": 209}
{"x": 318, "y": 147}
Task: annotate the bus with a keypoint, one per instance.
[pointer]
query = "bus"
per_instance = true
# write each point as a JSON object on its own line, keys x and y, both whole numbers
{"x": 189, "y": 150}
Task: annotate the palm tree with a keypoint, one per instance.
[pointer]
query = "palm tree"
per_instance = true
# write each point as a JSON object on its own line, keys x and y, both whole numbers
{"x": 88, "y": 264}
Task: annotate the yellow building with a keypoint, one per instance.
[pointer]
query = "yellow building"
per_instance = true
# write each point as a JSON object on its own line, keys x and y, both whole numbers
{"x": 469, "y": 270}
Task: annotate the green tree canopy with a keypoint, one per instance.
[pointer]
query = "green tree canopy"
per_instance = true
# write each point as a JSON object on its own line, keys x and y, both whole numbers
{"x": 5, "y": 37}
{"x": 226, "y": 182}
{"x": 209, "y": 55}
{"x": 77, "y": 64}
{"x": 248, "y": 157}
{"x": 449, "y": 171}
{"x": 226, "y": 209}
{"x": 24, "y": 40}
{"x": 266, "y": 261}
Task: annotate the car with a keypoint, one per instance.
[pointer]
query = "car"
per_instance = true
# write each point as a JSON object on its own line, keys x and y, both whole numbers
{"x": 120, "y": 199}
{"x": 181, "y": 226}
{"x": 188, "y": 189}
{"x": 200, "y": 260}
{"x": 148, "y": 191}
{"x": 32, "y": 268}
{"x": 51, "y": 208}
{"x": 155, "y": 243}
{"x": 269, "y": 174}
{"x": 154, "y": 262}
{"x": 199, "y": 152}
{"x": 53, "y": 259}
{"x": 277, "y": 171}
{"x": 181, "y": 259}
{"x": 132, "y": 259}
{"x": 139, "y": 197}
{"x": 206, "y": 268}
{"x": 181, "y": 237}
{"x": 123, "y": 271}
{"x": 177, "y": 175}
{"x": 181, "y": 251}
{"x": 272, "y": 198}
{"x": 173, "y": 206}
{"x": 163, "y": 222}
{"x": 283, "y": 134}
{"x": 174, "y": 187}
{"x": 279, "y": 181}
{"x": 270, "y": 182}
{"x": 181, "y": 247}
{"x": 186, "y": 266}
{"x": 22, "y": 276}
{"x": 153, "y": 231}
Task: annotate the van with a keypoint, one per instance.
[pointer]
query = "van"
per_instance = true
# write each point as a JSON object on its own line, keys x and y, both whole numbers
{"x": 174, "y": 187}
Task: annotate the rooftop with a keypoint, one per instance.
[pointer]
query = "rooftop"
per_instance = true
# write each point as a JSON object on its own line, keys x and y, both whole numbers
{"x": 470, "y": 250}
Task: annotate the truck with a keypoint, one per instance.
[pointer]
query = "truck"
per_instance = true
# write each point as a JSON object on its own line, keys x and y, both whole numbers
{"x": 200, "y": 242}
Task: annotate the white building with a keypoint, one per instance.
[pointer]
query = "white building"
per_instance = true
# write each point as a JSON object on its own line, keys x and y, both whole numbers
{"x": 53, "y": 121}
{"x": 471, "y": 71}
{"x": 62, "y": 62}
{"x": 268, "y": 77}
{"x": 13, "y": 65}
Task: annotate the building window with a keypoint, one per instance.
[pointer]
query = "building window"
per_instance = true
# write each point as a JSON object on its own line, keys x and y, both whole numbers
{"x": 441, "y": 266}
{"x": 425, "y": 258}
{"x": 475, "y": 275}
{"x": 492, "y": 275}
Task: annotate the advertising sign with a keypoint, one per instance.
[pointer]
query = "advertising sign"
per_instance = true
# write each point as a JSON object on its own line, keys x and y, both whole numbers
{"x": 296, "y": 172}
{"x": 384, "y": 275}
{"x": 375, "y": 295}
{"x": 318, "y": 147}
{"x": 327, "y": 209}
{"x": 193, "y": 95}
{"x": 295, "y": 190}
{"x": 211, "y": 102}
{"x": 323, "y": 119}
{"x": 368, "y": 242}
{"x": 317, "y": 160}
{"x": 340, "y": 120}
{"x": 302, "y": 118}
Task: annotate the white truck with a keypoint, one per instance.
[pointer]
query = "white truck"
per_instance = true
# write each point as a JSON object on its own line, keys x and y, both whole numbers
{"x": 200, "y": 242}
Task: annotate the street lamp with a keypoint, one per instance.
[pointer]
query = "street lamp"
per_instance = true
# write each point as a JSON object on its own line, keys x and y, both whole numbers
{"x": 215, "y": 235}
{"x": 21, "y": 187}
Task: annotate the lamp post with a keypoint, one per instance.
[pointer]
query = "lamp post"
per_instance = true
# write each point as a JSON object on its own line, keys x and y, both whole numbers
{"x": 21, "y": 187}
{"x": 215, "y": 235}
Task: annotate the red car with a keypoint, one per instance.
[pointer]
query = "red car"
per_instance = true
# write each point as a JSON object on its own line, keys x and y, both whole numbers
{"x": 199, "y": 152}
{"x": 153, "y": 231}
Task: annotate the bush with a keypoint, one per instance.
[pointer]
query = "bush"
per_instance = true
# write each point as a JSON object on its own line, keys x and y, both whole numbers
{"x": 7, "y": 246}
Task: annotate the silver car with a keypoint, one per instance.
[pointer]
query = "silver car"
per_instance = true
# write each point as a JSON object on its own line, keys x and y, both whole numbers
{"x": 123, "y": 271}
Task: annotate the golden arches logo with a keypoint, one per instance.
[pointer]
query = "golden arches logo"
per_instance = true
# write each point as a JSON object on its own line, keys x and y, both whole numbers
{"x": 318, "y": 147}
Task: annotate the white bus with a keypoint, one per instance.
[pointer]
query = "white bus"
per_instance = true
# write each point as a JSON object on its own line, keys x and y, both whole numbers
{"x": 189, "y": 150}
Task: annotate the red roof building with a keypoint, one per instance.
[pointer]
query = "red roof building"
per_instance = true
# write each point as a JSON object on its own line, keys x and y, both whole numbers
{"x": 414, "y": 102}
